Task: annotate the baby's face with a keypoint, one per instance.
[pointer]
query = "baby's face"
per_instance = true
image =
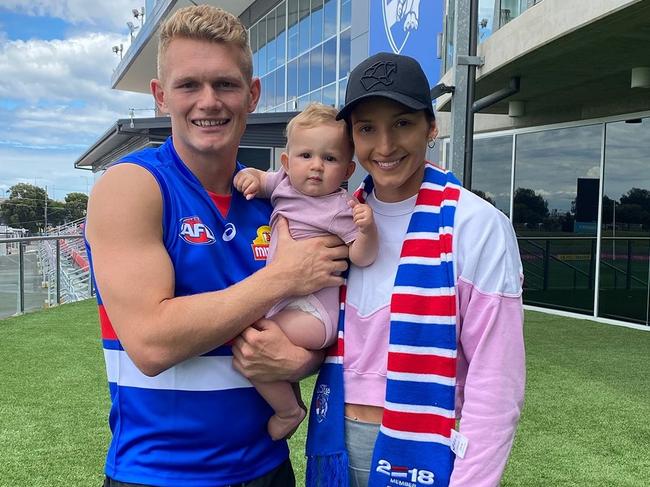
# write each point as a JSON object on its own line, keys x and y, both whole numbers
{"x": 319, "y": 159}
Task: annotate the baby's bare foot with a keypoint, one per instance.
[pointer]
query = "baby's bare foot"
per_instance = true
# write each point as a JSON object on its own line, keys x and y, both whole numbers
{"x": 281, "y": 426}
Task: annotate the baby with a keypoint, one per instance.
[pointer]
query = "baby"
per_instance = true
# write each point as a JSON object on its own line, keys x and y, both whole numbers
{"x": 307, "y": 192}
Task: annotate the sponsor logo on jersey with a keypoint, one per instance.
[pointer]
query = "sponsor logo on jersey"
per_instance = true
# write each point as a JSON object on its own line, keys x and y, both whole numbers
{"x": 229, "y": 233}
{"x": 194, "y": 231}
{"x": 261, "y": 243}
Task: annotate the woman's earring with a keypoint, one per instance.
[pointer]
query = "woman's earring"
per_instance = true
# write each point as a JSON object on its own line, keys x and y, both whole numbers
{"x": 431, "y": 143}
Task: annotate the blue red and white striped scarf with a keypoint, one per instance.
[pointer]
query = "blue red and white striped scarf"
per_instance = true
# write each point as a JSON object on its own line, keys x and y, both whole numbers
{"x": 413, "y": 445}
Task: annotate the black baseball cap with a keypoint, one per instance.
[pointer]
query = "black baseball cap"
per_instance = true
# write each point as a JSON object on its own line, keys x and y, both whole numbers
{"x": 394, "y": 76}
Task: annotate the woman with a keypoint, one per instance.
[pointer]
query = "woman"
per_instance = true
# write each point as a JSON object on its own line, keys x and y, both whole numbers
{"x": 433, "y": 328}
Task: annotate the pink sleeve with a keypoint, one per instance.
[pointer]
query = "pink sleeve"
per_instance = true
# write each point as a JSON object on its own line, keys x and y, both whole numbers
{"x": 491, "y": 382}
{"x": 271, "y": 181}
{"x": 342, "y": 224}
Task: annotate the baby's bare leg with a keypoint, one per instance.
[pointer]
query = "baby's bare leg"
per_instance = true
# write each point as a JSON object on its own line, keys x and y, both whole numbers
{"x": 304, "y": 330}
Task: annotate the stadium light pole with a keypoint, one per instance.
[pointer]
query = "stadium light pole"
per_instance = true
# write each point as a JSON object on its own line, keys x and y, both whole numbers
{"x": 465, "y": 64}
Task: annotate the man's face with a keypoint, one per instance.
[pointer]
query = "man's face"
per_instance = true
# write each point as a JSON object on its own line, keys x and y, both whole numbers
{"x": 207, "y": 97}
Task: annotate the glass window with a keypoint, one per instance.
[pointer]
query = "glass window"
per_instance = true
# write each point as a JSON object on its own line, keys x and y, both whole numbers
{"x": 271, "y": 54}
{"x": 262, "y": 61}
{"x": 270, "y": 86}
{"x": 625, "y": 245}
{"x": 261, "y": 39}
{"x": 292, "y": 79}
{"x": 261, "y": 106}
{"x": 491, "y": 170}
{"x": 346, "y": 13}
{"x": 293, "y": 28}
{"x": 315, "y": 96}
{"x": 485, "y": 19}
{"x": 329, "y": 61}
{"x": 303, "y": 101}
{"x": 329, "y": 95}
{"x": 279, "y": 85}
{"x": 304, "y": 27}
{"x": 316, "y": 21}
{"x": 271, "y": 59}
{"x": 303, "y": 74}
{"x": 252, "y": 38}
{"x": 342, "y": 85}
{"x": 282, "y": 34}
{"x": 344, "y": 67}
{"x": 316, "y": 68}
{"x": 329, "y": 15}
{"x": 557, "y": 171}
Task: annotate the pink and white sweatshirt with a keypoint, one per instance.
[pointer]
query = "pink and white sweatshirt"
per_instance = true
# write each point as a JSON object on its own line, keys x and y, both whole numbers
{"x": 491, "y": 361}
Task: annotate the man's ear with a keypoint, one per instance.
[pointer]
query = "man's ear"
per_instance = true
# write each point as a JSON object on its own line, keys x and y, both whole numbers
{"x": 284, "y": 160}
{"x": 255, "y": 92}
{"x": 351, "y": 167}
{"x": 158, "y": 94}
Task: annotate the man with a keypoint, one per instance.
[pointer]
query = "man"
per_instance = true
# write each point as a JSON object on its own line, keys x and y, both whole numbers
{"x": 178, "y": 260}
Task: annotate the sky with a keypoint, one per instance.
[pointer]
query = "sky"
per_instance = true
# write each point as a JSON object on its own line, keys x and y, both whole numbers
{"x": 56, "y": 63}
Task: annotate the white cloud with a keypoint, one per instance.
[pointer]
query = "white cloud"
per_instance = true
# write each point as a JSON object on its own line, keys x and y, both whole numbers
{"x": 114, "y": 13}
{"x": 55, "y": 101}
{"x": 63, "y": 89}
{"x": 53, "y": 169}
{"x": 62, "y": 70}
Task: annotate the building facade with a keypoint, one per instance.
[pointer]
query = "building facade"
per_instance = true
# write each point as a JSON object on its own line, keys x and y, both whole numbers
{"x": 567, "y": 158}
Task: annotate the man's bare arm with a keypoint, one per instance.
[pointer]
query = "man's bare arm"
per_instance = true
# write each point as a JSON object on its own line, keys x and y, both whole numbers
{"x": 264, "y": 353}
{"x": 136, "y": 278}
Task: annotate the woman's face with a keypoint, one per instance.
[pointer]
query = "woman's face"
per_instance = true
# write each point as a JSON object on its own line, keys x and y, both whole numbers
{"x": 391, "y": 142}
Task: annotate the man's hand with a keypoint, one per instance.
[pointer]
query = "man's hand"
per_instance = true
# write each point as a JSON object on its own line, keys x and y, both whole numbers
{"x": 311, "y": 264}
{"x": 362, "y": 216}
{"x": 247, "y": 183}
{"x": 264, "y": 353}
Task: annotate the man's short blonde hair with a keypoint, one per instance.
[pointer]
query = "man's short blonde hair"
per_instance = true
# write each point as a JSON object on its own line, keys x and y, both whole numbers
{"x": 206, "y": 23}
{"x": 315, "y": 115}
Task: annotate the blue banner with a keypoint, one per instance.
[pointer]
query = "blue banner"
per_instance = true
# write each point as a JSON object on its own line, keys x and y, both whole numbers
{"x": 409, "y": 27}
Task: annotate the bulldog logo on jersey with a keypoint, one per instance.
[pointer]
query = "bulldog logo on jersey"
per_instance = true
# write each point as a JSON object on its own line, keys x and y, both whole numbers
{"x": 194, "y": 231}
{"x": 261, "y": 243}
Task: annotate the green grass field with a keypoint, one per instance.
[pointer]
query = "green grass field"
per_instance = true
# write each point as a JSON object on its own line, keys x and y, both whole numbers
{"x": 585, "y": 422}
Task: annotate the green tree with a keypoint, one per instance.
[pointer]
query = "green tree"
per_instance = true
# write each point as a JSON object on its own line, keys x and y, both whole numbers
{"x": 56, "y": 213}
{"x": 25, "y": 207}
{"x": 529, "y": 207}
{"x": 75, "y": 206}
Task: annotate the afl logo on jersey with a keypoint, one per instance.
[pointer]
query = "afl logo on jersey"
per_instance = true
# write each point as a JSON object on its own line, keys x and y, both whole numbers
{"x": 194, "y": 231}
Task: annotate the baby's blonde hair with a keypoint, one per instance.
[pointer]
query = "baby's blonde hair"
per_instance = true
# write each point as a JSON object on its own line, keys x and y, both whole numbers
{"x": 206, "y": 23}
{"x": 315, "y": 115}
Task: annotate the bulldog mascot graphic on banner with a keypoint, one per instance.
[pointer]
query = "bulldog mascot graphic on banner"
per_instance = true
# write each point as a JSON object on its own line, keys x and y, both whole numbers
{"x": 401, "y": 17}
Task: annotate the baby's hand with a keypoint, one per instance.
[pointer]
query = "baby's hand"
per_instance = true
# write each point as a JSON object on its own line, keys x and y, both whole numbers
{"x": 247, "y": 183}
{"x": 362, "y": 216}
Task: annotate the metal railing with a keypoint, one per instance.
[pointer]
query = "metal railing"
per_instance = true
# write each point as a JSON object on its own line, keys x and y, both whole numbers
{"x": 56, "y": 263}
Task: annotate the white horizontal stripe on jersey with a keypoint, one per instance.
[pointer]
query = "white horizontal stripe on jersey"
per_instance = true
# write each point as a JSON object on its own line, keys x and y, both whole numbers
{"x": 211, "y": 373}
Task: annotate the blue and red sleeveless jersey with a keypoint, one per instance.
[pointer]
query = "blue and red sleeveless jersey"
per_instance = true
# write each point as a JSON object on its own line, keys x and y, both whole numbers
{"x": 199, "y": 423}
